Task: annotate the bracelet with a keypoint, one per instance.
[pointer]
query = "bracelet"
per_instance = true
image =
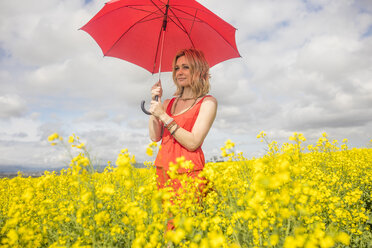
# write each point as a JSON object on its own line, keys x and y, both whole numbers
{"x": 168, "y": 122}
{"x": 169, "y": 127}
{"x": 175, "y": 130}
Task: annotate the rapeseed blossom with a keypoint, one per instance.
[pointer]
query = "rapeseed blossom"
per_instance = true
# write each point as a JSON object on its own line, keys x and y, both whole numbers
{"x": 294, "y": 196}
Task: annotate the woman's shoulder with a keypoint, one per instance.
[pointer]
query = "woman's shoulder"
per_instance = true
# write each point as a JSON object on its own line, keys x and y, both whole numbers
{"x": 210, "y": 98}
{"x": 209, "y": 102}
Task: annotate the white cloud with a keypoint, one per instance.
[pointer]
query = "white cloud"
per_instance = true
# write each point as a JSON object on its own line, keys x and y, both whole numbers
{"x": 331, "y": 56}
{"x": 93, "y": 116}
{"x": 12, "y": 106}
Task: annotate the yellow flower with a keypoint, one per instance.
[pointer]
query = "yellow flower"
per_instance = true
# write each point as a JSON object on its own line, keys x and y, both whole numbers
{"x": 80, "y": 146}
{"x": 153, "y": 144}
{"x": 177, "y": 236}
{"x": 216, "y": 239}
{"x": 12, "y": 236}
{"x": 229, "y": 144}
{"x": 86, "y": 197}
{"x": 108, "y": 189}
{"x": 274, "y": 239}
{"x": 125, "y": 220}
{"x": 53, "y": 136}
{"x": 150, "y": 149}
{"x": 261, "y": 135}
{"x": 290, "y": 242}
{"x": 149, "y": 152}
{"x": 133, "y": 160}
{"x": 326, "y": 242}
{"x": 188, "y": 224}
{"x": 102, "y": 217}
{"x": 344, "y": 238}
{"x": 28, "y": 195}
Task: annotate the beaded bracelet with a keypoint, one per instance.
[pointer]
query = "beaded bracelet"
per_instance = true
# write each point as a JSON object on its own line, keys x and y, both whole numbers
{"x": 175, "y": 130}
{"x": 169, "y": 127}
{"x": 168, "y": 122}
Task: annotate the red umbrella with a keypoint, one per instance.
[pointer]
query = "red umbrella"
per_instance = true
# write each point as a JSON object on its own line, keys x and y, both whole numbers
{"x": 137, "y": 31}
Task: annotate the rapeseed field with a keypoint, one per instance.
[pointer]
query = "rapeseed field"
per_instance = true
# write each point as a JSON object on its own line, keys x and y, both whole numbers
{"x": 294, "y": 196}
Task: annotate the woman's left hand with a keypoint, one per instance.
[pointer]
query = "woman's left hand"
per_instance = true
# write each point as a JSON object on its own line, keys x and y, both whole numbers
{"x": 156, "y": 108}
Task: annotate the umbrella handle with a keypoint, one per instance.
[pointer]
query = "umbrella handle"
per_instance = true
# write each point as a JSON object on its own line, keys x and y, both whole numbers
{"x": 143, "y": 106}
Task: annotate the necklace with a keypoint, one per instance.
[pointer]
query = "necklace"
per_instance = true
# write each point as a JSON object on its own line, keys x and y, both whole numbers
{"x": 175, "y": 105}
{"x": 186, "y": 99}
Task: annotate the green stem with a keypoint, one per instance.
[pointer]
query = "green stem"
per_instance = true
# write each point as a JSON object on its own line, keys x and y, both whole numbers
{"x": 288, "y": 228}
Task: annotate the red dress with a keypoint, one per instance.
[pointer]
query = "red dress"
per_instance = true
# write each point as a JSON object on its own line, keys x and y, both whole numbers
{"x": 172, "y": 149}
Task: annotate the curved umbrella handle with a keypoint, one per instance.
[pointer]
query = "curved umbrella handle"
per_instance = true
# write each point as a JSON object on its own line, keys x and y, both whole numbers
{"x": 143, "y": 106}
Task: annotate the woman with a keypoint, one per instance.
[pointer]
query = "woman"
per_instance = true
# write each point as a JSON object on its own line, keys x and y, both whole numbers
{"x": 183, "y": 122}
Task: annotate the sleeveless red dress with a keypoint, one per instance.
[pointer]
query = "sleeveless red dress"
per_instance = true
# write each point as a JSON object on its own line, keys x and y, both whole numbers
{"x": 171, "y": 149}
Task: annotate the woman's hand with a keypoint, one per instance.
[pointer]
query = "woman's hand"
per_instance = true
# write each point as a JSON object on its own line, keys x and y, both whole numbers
{"x": 156, "y": 90}
{"x": 156, "y": 108}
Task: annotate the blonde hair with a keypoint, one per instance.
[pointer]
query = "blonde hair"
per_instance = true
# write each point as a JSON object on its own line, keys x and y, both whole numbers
{"x": 199, "y": 71}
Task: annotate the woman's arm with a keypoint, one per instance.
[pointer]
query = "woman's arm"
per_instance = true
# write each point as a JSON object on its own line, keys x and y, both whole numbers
{"x": 155, "y": 129}
{"x": 193, "y": 140}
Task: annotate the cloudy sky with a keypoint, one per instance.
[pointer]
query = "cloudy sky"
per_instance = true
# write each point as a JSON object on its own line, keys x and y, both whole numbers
{"x": 306, "y": 67}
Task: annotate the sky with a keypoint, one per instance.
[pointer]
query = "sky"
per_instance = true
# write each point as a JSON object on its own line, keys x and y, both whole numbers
{"x": 306, "y": 67}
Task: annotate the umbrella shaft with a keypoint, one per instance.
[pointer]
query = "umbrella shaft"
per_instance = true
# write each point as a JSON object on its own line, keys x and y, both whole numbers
{"x": 165, "y": 19}
{"x": 161, "y": 50}
{"x": 165, "y": 22}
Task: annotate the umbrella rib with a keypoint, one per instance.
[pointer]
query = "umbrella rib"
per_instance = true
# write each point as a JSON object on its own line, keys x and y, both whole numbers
{"x": 157, "y": 6}
{"x": 181, "y": 26}
{"x": 202, "y": 22}
{"x": 127, "y": 6}
{"x": 193, "y": 20}
{"x": 179, "y": 7}
{"x": 136, "y": 8}
{"x": 193, "y": 17}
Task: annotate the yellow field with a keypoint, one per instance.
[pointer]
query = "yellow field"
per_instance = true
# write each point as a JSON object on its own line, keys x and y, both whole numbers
{"x": 290, "y": 197}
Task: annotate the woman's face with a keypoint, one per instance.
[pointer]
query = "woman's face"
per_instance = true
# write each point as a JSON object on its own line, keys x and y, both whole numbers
{"x": 182, "y": 70}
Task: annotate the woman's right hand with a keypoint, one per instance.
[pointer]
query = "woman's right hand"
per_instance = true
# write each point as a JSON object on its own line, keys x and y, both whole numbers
{"x": 156, "y": 90}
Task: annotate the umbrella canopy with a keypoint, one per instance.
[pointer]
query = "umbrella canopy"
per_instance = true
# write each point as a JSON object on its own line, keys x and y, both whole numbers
{"x": 138, "y": 30}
